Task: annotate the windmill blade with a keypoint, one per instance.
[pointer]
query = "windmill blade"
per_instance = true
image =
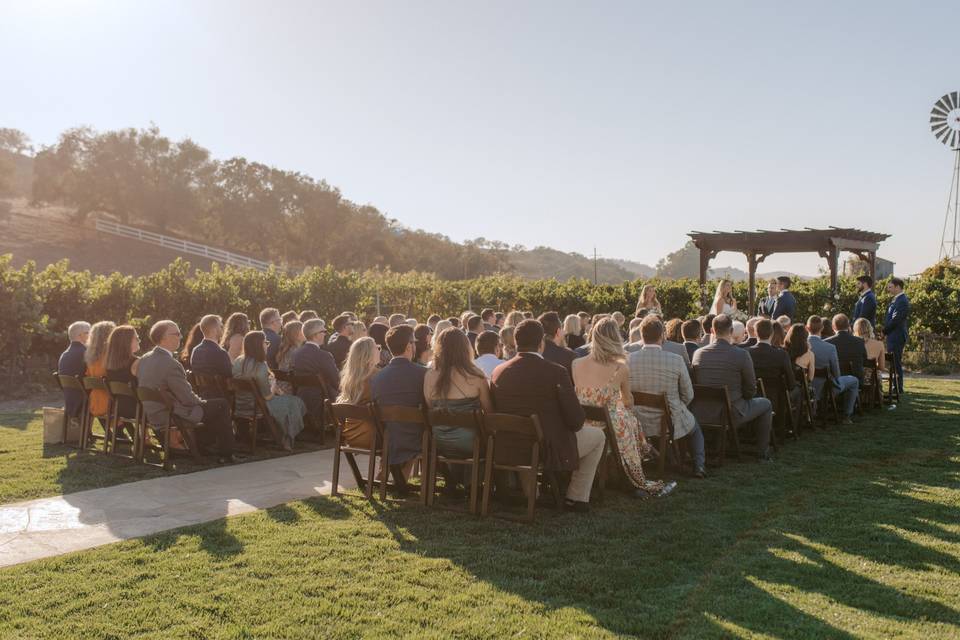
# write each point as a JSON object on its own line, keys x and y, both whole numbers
{"x": 943, "y": 135}
{"x": 939, "y": 129}
{"x": 938, "y": 119}
{"x": 949, "y": 100}
{"x": 944, "y": 103}
{"x": 954, "y": 139}
{"x": 939, "y": 109}
{"x": 955, "y": 96}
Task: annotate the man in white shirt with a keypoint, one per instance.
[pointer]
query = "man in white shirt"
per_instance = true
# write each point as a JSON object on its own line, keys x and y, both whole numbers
{"x": 489, "y": 351}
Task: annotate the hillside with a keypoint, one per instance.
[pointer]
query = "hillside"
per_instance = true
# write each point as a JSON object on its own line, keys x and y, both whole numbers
{"x": 544, "y": 262}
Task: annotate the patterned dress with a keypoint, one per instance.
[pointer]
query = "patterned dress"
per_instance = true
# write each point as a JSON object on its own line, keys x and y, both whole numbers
{"x": 626, "y": 429}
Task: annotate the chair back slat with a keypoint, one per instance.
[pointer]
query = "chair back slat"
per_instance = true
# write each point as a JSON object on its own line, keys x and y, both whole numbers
{"x": 651, "y": 400}
{"x": 92, "y": 383}
{"x": 125, "y": 389}
{"x": 472, "y": 420}
{"x": 397, "y": 413}
{"x": 529, "y": 426}
{"x": 69, "y": 382}
{"x": 148, "y": 394}
{"x": 597, "y": 414}
{"x": 343, "y": 411}
{"x": 206, "y": 383}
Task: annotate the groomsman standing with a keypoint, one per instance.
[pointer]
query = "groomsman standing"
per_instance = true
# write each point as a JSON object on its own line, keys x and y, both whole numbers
{"x": 786, "y": 304}
{"x": 866, "y": 306}
{"x": 896, "y": 324}
{"x": 765, "y": 307}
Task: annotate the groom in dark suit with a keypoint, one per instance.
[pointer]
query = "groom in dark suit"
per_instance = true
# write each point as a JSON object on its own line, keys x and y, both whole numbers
{"x": 866, "y": 306}
{"x": 896, "y": 324}
{"x": 786, "y": 304}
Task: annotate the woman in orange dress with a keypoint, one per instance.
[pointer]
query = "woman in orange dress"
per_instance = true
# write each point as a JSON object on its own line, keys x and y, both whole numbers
{"x": 96, "y": 359}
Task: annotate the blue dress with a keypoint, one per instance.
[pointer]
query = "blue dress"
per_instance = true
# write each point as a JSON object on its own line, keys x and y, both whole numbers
{"x": 287, "y": 410}
{"x": 456, "y": 442}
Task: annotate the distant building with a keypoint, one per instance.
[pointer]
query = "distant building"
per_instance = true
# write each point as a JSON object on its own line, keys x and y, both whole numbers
{"x": 855, "y": 267}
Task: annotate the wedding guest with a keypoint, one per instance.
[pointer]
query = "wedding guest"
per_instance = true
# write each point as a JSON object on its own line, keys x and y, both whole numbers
{"x": 739, "y": 331}
{"x": 866, "y": 306}
{"x": 359, "y": 330}
{"x": 751, "y": 332}
{"x": 827, "y": 328}
{"x": 707, "y": 326}
{"x": 778, "y": 335}
{"x": 194, "y": 337}
{"x": 396, "y": 319}
{"x": 424, "y": 349}
{"x": 584, "y": 324}
{"x": 237, "y": 326}
{"x": 311, "y": 359}
{"x": 307, "y": 315}
{"x": 287, "y": 410}
{"x": 553, "y": 351}
{"x": 896, "y": 325}
{"x": 159, "y": 370}
{"x": 489, "y": 317}
{"x": 602, "y": 379}
{"x": 209, "y": 357}
{"x": 528, "y": 315}
{"x": 784, "y": 322}
{"x": 457, "y": 385}
{"x": 653, "y": 370}
{"x": 122, "y": 364}
{"x": 498, "y": 320}
{"x": 875, "y": 348}
{"x": 507, "y": 342}
{"x": 412, "y": 322}
{"x": 620, "y": 320}
{"x": 513, "y": 318}
{"x": 363, "y": 362}
{"x": 454, "y": 322}
{"x": 798, "y": 348}
{"x": 291, "y": 337}
{"x": 400, "y": 383}
{"x": 786, "y": 304}
{"x": 271, "y": 324}
{"x": 71, "y": 363}
{"x": 572, "y": 333}
{"x": 95, "y": 358}
{"x": 674, "y": 330}
{"x": 768, "y": 358}
{"x": 766, "y": 304}
{"x": 723, "y": 300}
{"x": 825, "y": 357}
{"x": 382, "y": 320}
{"x": 288, "y": 316}
{"x": 721, "y": 364}
{"x": 378, "y": 331}
{"x": 432, "y": 322}
{"x": 474, "y": 327}
{"x": 339, "y": 344}
{"x": 636, "y": 343}
{"x": 691, "y": 331}
{"x": 488, "y": 353}
{"x": 648, "y": 302}
{"x": 530, "y": 385}
{"x": 851, "y": 350}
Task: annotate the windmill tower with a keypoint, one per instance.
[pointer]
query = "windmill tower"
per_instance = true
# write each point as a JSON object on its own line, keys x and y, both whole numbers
{"x": 945, "y": 124}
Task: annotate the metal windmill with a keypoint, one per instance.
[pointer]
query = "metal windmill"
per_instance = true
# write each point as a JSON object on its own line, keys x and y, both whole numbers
{"x": 945, "y": 124}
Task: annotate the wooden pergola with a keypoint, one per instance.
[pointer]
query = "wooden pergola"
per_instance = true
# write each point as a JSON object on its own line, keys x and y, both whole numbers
{"x": 757, "y": 245}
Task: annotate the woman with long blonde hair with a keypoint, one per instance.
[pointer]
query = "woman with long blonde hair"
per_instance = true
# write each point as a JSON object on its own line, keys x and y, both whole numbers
{"x": 602, "y": 379}
{"x": 513, "y": 318}
{"x": 648, "y": 302}
{"x": 360, "y": 366}
{"x": 723, "y": 300}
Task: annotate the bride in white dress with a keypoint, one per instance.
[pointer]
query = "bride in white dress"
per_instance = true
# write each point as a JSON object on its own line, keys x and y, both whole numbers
{"x": 723, "y": 300}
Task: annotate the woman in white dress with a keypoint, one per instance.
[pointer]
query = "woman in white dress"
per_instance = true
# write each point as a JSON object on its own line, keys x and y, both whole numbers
{"x": 723, "y": 300}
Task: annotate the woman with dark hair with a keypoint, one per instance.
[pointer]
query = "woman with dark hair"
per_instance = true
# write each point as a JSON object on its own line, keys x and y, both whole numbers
{"x": 194, "y": 338}
{"x": 423, "y": 349}
{"x": 291, "y": 337}
{"x": 799, "y": 349}
{"x": 378, "y": 331}
{"x": 122, "y": 363}
{"x": 778, "y": 336}
{"x": 454, "y": 383}
{"x": 287, "y": 410}
{"x": 236, "y": 327}
{"x": 673, "y": 330}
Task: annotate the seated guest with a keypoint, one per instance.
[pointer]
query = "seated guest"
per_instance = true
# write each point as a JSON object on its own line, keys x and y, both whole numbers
{"x": 474, "y": 327}
{"x": 739, "y": 332}
{"x": 488, "y": 353}
{"x": 720, "y": 364}
{"x": 785, "y": 304}
{"x": 423, "y": 349}
{"x": 875, "y": 348}
{"x": 378, "y": 331}
{"x": 432, "y": 322}
{"x": 513, "y": 318}
{"x": 766, "y": 357}
{"x": 307, "y": 315}
{"x": 412, "y": 322}
{"x": 238, "y": 326}
{"x": 584, "y": 323}
{"x": 572, "y": 335}
{"x": 71, "y": 363}
{"x": 382, "y": 320}
{"x": 209, "y": 357}
{"x": 620, "y": 319}
{"x": 825, "y": 357}
{"x": 454, "y": 322}
{"x": 498, "y": 319}
{"x": 707, "y": 326}
{"x": 401, "y": 383}
{"x": 339, "y": 344}
{"x": 95, "y": 357}
{"x": 359, "y": 330}
{"x": 489, "y": 317}
{"x": 602, "y": 379}
{"x": 691, "y": 331}
{"x": 289, "y": 316}
{"x": 827, "y": 328}
{"x": 778, "y": 335}
{"x": 271, "y": 324}
{"x": 455, "y": 384}
{"x": 553, "y": 351}
{"x": 851, "y": 350}
{"x": 291, "y": 337}
{"x": 531, "y": 385}
{"x": 159, "y": 370}
{"x": 653, "y": 370}
{"x": 528, "y": 315}
{"x": 311, "y": 359}
{"x": 443, "y": 324}
{"x": 508, "y": 345}
{"x": 363, "y": 362}
{"x": 673, "y": 331}
{"x": 636, "y": 343}
{"x": 194, "y": 337}
{"x": 751, "y": 333}
{"x": 288, "y": 411}
{"x": 122, "y": 365}
{"x": 798, "y": 349}
{"x": 396, "y": 319}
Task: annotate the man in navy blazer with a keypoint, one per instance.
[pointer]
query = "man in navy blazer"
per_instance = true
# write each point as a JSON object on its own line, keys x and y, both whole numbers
{"x": 866, "y": 306}
{"x": 400, "y": 383}
{"x": 786, "y": 304}
{"x": 71, "y": 363}
{"x": 209, "y": 357}
{"x": 271, "y": 324}
{"x": 311, "y": 359}
{"x": 896, "y": 324}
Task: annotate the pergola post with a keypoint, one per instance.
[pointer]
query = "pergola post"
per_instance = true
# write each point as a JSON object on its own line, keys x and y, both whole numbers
{"x": 872, "y": 264}
{"x": 833, "y": 256}
{"x": 704, "y": 265}
{"x": 751, "y": 280}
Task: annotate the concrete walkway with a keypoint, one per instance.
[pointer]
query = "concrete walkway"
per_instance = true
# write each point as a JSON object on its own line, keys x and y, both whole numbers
{"x": 53, "y": 526}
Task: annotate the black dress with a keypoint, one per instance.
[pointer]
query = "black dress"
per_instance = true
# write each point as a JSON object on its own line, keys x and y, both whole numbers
{"x": 127, "y": 406}
{"x": 574, "y": 342}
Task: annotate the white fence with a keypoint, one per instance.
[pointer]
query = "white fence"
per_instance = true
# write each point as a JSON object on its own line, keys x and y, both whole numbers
{"x": 183, "y": 246}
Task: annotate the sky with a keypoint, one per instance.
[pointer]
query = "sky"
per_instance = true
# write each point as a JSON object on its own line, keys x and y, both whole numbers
{"x": 607, "y": 125}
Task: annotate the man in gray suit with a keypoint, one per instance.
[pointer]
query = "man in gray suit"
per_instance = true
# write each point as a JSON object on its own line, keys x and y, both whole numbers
{"x": 636, "y": 343}
{"x": 160, "y": 370}
{"x": 825, "y": 357}
{"x": 655, "y": 370}
{"x": 720, "y": 364}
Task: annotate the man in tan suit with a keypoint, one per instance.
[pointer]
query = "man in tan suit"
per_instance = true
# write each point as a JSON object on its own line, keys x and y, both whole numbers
{"x": 653, "y": 370}
{"x": 159, "y": 370}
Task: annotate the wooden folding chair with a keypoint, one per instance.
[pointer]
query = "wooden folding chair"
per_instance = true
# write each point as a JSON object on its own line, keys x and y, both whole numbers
{"x": 119, "y": 390}
{"x": 725, "y": 427}
{"x": 91, "y": 384}
{"x": 610, "y": 451}
{"x": 317, "y": 423}
{"x": 411, "y": 415}
{"x": 515, "y": 435}
{"x": 828, "y": 398}
{"x": 73, "y": 383}
{"x": 341, "y": 412}
{"x": 806, "y": 412}
{"x": 260, "y": 411}
{"x": 659, "y": 402}
{"x": 210, "y": 386}
{"x": 185, "y": 428}
{"x": 472, "y": 420}
{"x": 871, "y": 393}
{"x": 774, "y": 389}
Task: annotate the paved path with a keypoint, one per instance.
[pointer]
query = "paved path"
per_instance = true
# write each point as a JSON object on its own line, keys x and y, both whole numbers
{"x": 52, "y": 526}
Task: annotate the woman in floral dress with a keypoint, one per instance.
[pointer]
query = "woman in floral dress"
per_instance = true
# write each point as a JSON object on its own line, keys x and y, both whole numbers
{"x": 602, "y": 379}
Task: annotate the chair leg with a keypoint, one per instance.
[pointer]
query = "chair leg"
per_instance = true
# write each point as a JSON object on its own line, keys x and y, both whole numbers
{"x": 474, "y": 476}
{"x": 385, "y": 464}
{"x": 430, "y": 482}
{"x": 532, "y": 495}
{"x": 426, "y": 468}
{"x": 487, "y": 479}
{"x": 336, "y": 466}
{"x": 371, "y": 471}
{"x": 166, "y": 447}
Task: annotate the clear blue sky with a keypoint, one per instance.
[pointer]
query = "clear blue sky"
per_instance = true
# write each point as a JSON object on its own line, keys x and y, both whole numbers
{"x": 567, "y": 124}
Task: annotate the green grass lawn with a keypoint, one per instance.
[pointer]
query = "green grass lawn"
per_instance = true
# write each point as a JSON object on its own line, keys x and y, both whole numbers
{"x": 852, "y": 533}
